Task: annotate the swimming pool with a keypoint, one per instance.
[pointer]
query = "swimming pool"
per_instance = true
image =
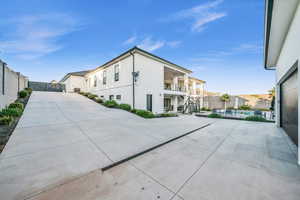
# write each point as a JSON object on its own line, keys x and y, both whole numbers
{"x": 245, "y": 113}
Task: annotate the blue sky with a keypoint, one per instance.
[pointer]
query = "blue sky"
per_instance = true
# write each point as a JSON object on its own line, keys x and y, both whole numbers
{"x": 221, "y": 41}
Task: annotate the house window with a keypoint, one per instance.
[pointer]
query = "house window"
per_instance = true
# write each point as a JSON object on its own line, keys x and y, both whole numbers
{"x": 111, "y": 97}
{"x": 104, "y": 77}
{"x": 118, "y": 97}
{"x": 95, "y": 81}
{"x": 116, "y": 72}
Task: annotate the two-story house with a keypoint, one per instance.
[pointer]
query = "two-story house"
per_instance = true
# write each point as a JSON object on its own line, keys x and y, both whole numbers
{"x": 141, "y": 79}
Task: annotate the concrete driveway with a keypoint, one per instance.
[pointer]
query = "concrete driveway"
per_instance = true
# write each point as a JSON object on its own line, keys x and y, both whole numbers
{"x": 62, "y": 141}
{"x": 62, "y": 136}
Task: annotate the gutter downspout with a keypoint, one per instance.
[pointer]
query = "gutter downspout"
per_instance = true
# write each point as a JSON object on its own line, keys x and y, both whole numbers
{"x": 133, "y": 80}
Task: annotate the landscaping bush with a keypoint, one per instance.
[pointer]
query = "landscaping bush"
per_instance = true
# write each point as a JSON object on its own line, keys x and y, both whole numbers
{"x": 145, "y": 113}
{"x": 5, "y": 120}
{"x": 16, "y": 105}
{"x": 111, "y": 104}
{"x": 256, "y": 118}
{"x": 13, "y": 112}
{"x": 133, "y": 111}
{"x": 82, "y": 93}
{"x": 205, "y": 109}
{"x": 168, "y": 115}
{"x": 245, "y": 107}
{"x": 99, "y": 100}
{"x": 92, "y": 96}
{"x": 23, "y": 94}
{"x": 214, "y": 115}
{"x": 29, "y": 90}
{"x": 86, "y": 94}
{"x": 125, "y": 106}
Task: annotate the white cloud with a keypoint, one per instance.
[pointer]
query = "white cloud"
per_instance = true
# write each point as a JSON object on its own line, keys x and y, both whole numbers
{"x": 210, "y": 17}
{"x": 217, "y": 56}
{"x": 254, "y": 48}
{"x": 201, "y": 15}
{"x": 151, "y": 45}
{"x": 130, "y": 40}
{"x": 174, "y": 43}
{"x": 37, "y": 35}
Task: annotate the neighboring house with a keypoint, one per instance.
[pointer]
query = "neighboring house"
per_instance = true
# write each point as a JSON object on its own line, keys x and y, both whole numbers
{"x": 213, "y": 101}
{"x": 282, "y": 53}
{"x": 258, "y": 101}
{"x": 74, "y": 81}
{"x": 141, "y": 79}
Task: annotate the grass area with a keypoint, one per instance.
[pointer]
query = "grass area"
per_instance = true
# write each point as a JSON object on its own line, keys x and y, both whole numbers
{"x": 113, "y": 104}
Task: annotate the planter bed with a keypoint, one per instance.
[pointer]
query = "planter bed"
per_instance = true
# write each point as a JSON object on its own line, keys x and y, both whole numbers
{"x": 234, "y": 118}
{"x": 113, "y": 104}
{"x": 7, "y": 130}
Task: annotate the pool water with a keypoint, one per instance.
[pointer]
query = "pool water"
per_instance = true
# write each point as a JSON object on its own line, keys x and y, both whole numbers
{"x": 245, "y": 113}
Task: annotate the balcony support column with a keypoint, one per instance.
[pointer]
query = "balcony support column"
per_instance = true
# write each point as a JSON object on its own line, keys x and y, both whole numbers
{"x": 175, "y": 83}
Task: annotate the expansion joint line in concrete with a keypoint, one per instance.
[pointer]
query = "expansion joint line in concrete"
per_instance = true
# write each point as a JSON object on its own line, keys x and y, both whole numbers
{"x": 96, "y": 146}
{"x": 151, "y": 149}
{"x": 154, "y": 179}
{"x": 205, "y": 161}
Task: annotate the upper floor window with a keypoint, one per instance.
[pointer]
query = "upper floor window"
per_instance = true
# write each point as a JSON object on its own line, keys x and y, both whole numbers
{"x": 117, "y": 72}
{"x": 95, "y": 81}
{"x": 104, "y": 77}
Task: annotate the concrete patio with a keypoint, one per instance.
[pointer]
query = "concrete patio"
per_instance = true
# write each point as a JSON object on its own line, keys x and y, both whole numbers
{"x": 62, "y": 141}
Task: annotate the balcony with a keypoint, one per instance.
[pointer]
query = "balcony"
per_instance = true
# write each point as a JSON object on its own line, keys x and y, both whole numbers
{"x": 174, "y": 89}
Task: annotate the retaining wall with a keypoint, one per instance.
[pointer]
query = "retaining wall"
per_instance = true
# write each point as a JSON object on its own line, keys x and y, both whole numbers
{"x": 10, "y": 84}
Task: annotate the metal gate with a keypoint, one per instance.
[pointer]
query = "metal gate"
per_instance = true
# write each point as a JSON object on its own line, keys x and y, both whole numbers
{"x": 48, "y": 87}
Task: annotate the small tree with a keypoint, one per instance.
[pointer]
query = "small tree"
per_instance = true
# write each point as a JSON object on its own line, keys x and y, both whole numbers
{"x": 225, "y": 98}
{"x": 272, "y": 95}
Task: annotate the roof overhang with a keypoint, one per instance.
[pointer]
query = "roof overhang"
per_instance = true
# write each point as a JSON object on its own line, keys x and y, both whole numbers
{"x": 142, "y": 52}
{"x": 278, "y": 17}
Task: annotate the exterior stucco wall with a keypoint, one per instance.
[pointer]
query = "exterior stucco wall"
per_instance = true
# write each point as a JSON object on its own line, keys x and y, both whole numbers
{"x": 121, "y": 87}
{"x": 13, "y": 83}
{"x": 289, "y": 55}
{"x": 150, "y": 81}
{"x": 75, "y": 82}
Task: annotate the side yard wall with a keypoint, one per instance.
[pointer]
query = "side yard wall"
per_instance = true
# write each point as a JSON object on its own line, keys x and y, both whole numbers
{"x": 10, "y": 84}
{"x": 214, "y": 102}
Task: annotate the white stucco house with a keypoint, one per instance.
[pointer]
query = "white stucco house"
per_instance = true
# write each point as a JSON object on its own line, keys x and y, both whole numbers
{"x": 141, "y": 79}
{"x": 282, "y": 53}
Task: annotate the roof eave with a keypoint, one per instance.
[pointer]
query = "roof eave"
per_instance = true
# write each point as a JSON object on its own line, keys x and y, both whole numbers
{"x": 268, "y": 20}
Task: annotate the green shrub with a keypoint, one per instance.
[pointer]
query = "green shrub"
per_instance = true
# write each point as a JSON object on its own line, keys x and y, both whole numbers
{"x": 16, "y": 105}
{"x": 86, "y": 94}
{"x": 92, "y": 96}
{"x": 133, "y": 111}
{"x": 168, "y": 115}
{"x": 99, "y": 100}
{"x": 245, "y": 107}
{"x": 82, "y": 93}
{"x": 205, "y": 109}
{"x": 111, "y": 104}
{"x": 145, "y": 113}
{"x": 5, "y": 120}
{"x": 214, "y": 115}
{"x": 256, "y": 118}
{"x": 125, "y": 106}
{"x": 23, "y": 94}
{"x": 29, "y": 90}
{"x": 13, "y": 112}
